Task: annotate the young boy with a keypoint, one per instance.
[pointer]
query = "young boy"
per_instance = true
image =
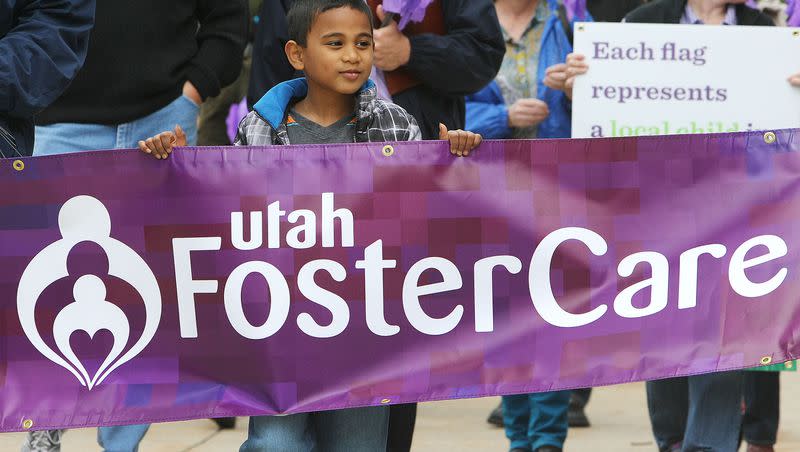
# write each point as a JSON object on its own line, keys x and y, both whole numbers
{"x": 331, "y": 41}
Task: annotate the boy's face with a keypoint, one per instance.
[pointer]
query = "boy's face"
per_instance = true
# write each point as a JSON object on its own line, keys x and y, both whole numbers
{"x": 339, "y": 51}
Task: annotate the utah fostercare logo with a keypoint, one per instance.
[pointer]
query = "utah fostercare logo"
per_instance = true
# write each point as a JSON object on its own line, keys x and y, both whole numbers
{"x": 86, "y": 219}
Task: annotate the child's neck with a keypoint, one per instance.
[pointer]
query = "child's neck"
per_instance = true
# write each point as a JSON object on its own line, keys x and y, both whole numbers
{"x": 324, "y": 106}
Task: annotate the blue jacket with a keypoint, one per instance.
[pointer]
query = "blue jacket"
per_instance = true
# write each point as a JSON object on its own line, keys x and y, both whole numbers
{"x": 42, "y": 45}
{"x": 487, "y": 113}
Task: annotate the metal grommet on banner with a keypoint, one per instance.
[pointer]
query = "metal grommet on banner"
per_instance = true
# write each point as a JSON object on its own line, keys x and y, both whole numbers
{"x": 388, "y": 150}
{"x": 385, "y": 401}
{"x": 27, "y": 424}
{"x": 18, "y": 165}
{"x": 766, "y": 360}
{"x": 580, "y": 27}
{"x": 770, "y": 137}
{"x": 796, "y": 33}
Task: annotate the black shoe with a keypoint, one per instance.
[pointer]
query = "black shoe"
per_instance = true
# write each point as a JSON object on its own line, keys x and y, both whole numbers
{"x": 518, "y": 449}
{"x": 548, "y": 449}
{"x": 496, "y": 416}
{"x": 225, "y": 423}
{"x": 576, "y": 416}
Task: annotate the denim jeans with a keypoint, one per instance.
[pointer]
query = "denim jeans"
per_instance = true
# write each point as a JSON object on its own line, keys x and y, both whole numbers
{"x": 124, "y": 438}
{"x": 702, "y": 412}
{"x": 63, "y": 138}
{"x": 761, "y": 407}
{"x": 536, "y": 420}
{"x": 353, "y": 430}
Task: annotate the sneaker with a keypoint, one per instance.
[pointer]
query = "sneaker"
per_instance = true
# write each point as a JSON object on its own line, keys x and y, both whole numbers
{"x": 225, "y": 423}
{"x": 43, "y": 441}
{"x": 549, "y": 449}
{"x": 496, "y": 416}
{"x": 757, "y": 448}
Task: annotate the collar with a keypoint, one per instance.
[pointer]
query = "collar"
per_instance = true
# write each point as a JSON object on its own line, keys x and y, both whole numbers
{"x": 689, "y": 16}
{"x": 539, "y": 18}
{"x": 273, "y": 106}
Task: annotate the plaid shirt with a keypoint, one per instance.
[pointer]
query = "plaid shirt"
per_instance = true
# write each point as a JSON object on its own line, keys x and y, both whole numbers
{"x": 377, "y": 121}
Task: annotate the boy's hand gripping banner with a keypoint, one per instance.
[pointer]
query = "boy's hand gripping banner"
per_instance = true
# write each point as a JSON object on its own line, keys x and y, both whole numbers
{"x": 247, "y": 281}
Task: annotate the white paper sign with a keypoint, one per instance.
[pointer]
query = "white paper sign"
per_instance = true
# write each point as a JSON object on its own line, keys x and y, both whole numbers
{"x": 647, "y": 79}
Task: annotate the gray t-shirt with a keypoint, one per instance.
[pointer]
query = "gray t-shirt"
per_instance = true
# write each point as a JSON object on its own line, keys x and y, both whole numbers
{"x": 302, "y": 130}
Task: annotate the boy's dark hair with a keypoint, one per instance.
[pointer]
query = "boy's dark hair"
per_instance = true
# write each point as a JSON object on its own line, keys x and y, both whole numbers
{"x": 303, "y": 13}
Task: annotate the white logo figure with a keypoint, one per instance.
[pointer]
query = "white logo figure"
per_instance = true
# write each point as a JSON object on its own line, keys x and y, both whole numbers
{"x": 85, "y": 219}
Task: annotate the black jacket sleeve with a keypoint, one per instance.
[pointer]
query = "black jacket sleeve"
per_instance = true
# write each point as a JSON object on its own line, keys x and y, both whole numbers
{"x": 468, "y": 57}
{"x": 270, "y": 65}
{"x": 221, "y": 41}
{"x": 42, "y": 52}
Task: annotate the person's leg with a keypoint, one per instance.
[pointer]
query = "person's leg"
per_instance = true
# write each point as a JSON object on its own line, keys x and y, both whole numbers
{"x": 668, "y": 404}
{"x": 279, "y": 434}
{"x": 516, "y": 419}
{"x": 182, "y": 111}
{"x": 401, "y": 427}
{"x": 352, "y": 430}
{"x": 67, "y": 138}
{"x": 577, "y": 406}
{"x": 715, "y": 412}
{"x": 548, "y": 422}
{"x": 761, "y": 407}
{"x": 124, "y": 438}
{"x": 212, "y": 129}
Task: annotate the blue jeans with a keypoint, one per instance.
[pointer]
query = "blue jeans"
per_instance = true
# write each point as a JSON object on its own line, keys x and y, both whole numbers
{"x": 63, "y": 138}
{"x": 536, "y": 420}
{"x": 124, "y": 438}
{"x": 702, "y": 412}
{"x": 353, "y": 430}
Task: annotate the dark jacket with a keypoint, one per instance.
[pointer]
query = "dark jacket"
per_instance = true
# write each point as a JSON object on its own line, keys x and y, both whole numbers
{"x": 671, "y": 11}
{"x": 611, "y": 10}
{"x": 143, "y": 51}
{"x": 42, "y": 46}
{"x": 452, "y": 66}
{"x": 270, "y": 65}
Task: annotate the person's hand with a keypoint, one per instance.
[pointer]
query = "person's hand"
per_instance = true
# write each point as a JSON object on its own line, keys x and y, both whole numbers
{"x": 794, "y": 80}
{"x": 191, "y": 92}
{"x": 555, "y": 77}
{"x": 461, "y": 141}
{"x": 392, "y": 47}
{"x": 576, "y": 66}
{"x": 527, "y": 113}
{"x": 160, "y": 146}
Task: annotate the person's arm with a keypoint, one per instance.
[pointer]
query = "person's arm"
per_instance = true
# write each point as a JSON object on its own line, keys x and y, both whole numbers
{"x": 468, "y": 57}
{"x": 488, "y": 119}
{"x": 42, "y": 53}
{"x": 220, "y": 42}
{"x": 270, "y": 65}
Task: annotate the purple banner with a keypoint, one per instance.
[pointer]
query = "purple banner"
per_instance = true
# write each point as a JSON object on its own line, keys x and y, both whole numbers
{"x": 247, "y": 281}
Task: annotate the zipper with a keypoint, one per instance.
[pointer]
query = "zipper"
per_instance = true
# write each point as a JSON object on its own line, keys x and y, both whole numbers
{"x": 6, "y": 135}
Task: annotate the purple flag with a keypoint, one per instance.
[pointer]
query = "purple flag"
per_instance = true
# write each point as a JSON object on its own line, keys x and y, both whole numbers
{"x": 408, "y": 10}
{"x": 792, "y": 13}
{"x": 249, "y": 281}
